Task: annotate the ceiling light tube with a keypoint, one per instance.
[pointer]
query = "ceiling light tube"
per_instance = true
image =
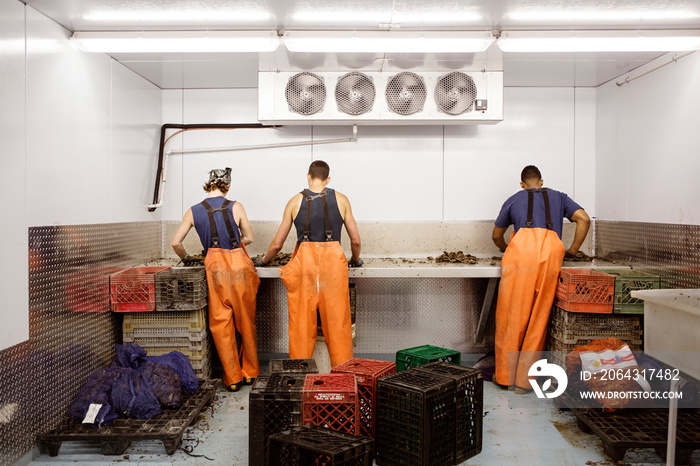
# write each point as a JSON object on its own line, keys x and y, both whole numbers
{"x": 599, "y": 41}
{"x": 388, "y": 41}
{"x": 175, "y": 41}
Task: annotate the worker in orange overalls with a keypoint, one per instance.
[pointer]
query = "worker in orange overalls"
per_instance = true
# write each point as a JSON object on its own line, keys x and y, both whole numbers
{"x": 224, "y": 230}
{"x": 316, "y": 277}
{"x": 530, "y": 271}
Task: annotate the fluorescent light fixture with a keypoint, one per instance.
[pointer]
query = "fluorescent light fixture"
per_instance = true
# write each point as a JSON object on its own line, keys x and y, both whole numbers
{"x": 176, "y": 41}
{"x": 388, "y": 41}
{"x": 599, "y": 41}
{"x": 186, "y": 16}
{"x": 615, "y": 14}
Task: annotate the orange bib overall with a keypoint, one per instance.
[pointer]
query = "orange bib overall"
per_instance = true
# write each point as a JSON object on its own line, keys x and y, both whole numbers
{"x": 233, "y": 286}
{"x": 316, "y": 277}
{"x": 529, "y": 275}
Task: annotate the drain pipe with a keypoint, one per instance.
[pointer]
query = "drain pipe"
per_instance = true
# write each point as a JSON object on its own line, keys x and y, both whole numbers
{"x": 163, "y": 157}
{"x": 160, "y": 173}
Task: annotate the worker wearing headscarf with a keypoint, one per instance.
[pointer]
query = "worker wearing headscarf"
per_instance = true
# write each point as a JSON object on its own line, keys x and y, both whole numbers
{"x": 530, "y": 270}
{"x": 224, "y": 230}
{"x": 316, "y": 277}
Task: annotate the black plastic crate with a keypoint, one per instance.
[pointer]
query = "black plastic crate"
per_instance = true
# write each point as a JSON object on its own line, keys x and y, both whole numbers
{"x": 276, "y": 403}
{"x": 114, "y": 439}
{"x": 302, "y": 366}
{"x": 415, "y": 419}
{"x": 181, "y": 289}
{"x": 573, "y": 328}
{"x": 470, "y": 406}
{"x": 314, "y": 445}
{"x": 419, "y": 355}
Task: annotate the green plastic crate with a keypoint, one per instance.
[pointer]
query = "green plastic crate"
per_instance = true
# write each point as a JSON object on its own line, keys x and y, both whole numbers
{"x": 626, "y": 281}
{"x": 420, "y": 355}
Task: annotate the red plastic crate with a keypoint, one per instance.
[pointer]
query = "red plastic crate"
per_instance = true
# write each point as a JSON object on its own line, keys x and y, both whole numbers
{"x": 585, "y": 290}
{"x": 134, "y": 290}
{"x": 367, "y": 372}
{"x": 330, "y": 400}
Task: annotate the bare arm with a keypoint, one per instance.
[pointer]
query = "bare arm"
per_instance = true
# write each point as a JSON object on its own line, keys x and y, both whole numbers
{"x": 184, "y": 228}
{"x": 243, "y": 223}
{"x": 583, "y": 222}
{"x": 498, "y": 238}
{"x": 350, "y": 226}
{"x": 283, "y": 230}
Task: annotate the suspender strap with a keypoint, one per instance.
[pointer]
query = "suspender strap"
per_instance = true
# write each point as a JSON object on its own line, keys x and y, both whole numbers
{"x": 545, "y": 198}
{"x": 326, "y": 218}
{"x": 227, "y": 221}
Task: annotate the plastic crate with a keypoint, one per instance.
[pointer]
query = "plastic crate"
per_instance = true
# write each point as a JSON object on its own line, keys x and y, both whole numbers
{"x": 302, "y": 366}
{"x": 470, "y": 406}
{"x": 276, "y": 403}
{"x": 330, "y": 400}
{"x": 174, "y": 323}
{"x": 134, "y": 289}
{"x": 578, "y": 329}
{"x": 200, "y": 357}
{"x": 585, "y": 290}
{"x": 627, "y": 281}
{"x": 313, "y": 445}
{"x": 557, "y": 350}
{"x": 415, "y": 419}
{"x": 181, "y": 289}
{"x": 194, "y": 341}
{"x": 414, "y": 357}
{"x": 367, "y": 372}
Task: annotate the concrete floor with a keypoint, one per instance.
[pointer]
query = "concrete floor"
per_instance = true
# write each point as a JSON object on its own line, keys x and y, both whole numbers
{"x": 517, "y": 430}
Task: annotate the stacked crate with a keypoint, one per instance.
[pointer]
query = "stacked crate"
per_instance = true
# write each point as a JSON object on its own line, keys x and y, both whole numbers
{"x": 179, "y": 296}
{"x": 134, "y": 289}
{"x": 419, "y": 355}
{"x": 569, "y": 330}
{"x": 593, "y": 304}
{"x": 469, "y": 409}
{"x": 627, "y": 281}
{"x": 276, "y": 404}
{"x": 367, "y": 372}
{"x": 416, "y": 419}
{"x": 330, "y": 400}
{"x": 300, "y": 366}
{"x": 312, "y": 445}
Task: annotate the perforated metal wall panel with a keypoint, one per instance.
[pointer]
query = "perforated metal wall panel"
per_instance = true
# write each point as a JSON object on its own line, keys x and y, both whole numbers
{"x": 668, "y": 250}
{"x": 72, "y": 333}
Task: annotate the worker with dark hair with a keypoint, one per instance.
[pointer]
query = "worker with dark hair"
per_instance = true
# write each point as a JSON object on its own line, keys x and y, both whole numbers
{"x": 224, "y": 230}
{"x": 316, "y": 277}
{"x": 530, "y": 270}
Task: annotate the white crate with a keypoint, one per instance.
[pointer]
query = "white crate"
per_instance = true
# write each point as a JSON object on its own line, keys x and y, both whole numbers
{"x": 672, "y": 326}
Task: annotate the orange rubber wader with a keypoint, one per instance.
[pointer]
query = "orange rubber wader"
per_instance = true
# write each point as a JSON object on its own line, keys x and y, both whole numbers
{"x": 233, "y": 286}
{"x": 529, "y": 276}
{"x": 316, "y": 277}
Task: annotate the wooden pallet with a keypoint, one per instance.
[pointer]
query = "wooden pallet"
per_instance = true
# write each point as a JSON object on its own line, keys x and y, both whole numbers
{"x": 114, "y": 439}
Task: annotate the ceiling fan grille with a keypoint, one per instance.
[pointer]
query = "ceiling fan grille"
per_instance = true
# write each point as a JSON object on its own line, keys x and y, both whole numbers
{"x": 355, "y": 93}
{"x": 455, "y": 93}
{"x": 305, "y": 93}
{"x": 406, "y": 93}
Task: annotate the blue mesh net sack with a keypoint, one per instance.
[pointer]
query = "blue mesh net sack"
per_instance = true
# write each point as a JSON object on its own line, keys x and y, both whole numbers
{"x": 180, "y": 364}
{"x": 93, "y": 404}
{"x": 165, "y": 383}
{"x": 129, "y": 356}
{"x": 132, "y": 396}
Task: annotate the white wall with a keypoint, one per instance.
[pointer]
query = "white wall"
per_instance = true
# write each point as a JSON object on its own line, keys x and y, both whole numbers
{"x": 648, "y": 138}
{"x": 13, "y": 235}
{"x": 392, "y": 173}
{"x": 79, "y": 141}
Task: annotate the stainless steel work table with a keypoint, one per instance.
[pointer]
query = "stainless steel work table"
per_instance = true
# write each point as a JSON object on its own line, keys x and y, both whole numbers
{"x": 383, "y": 267}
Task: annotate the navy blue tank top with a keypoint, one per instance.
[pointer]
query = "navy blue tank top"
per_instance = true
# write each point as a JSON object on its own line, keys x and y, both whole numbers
{"x": 317, "y": 228}
{"x": 201, "y": 223}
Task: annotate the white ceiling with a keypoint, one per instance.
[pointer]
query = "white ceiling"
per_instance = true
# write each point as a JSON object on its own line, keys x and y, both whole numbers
{"x": 239, "y": 70}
